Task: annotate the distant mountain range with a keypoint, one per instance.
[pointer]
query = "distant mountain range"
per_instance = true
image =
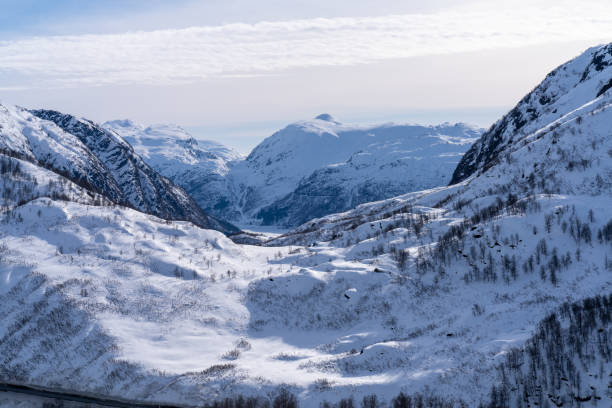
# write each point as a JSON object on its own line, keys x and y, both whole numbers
{"x": 306, "y": 170}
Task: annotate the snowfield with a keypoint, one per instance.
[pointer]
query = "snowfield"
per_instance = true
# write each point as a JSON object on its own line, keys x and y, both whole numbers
{"x": 138, "y": 307}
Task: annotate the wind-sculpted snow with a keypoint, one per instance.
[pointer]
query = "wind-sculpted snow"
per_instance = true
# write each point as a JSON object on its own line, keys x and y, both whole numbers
{"x": 306, "y": 170}
{"x": 97, "y": 160}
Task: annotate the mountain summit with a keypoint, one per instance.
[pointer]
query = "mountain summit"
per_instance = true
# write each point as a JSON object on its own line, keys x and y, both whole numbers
{"x": 326, "y": 117}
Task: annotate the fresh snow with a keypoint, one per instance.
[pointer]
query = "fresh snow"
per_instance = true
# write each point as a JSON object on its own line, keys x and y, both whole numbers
{"x": 171, "y": 297}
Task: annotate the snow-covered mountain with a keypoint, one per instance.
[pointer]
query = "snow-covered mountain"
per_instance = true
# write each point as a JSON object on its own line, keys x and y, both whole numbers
{"x": 171, "y": 150}
{"x": 201, "y": 167}
{"x": 314, "y": 168}
{"x": 97, "y": 160}
{"x": 567, "y": 92}
{"x": 306, "y": 170}
{"x": 524, "y": 233}
{"x": 493, "y": 291}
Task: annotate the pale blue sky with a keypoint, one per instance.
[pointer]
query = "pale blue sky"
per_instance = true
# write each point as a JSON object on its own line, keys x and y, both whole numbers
{"x": 236, "y": 70}
{"x": 52, "y": 17}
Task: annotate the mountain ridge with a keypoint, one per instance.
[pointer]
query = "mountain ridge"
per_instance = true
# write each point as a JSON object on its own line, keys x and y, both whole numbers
{"x": 566, "y": 87}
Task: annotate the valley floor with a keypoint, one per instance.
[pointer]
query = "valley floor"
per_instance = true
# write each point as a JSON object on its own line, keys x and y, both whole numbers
{"x": 112, "y": 301}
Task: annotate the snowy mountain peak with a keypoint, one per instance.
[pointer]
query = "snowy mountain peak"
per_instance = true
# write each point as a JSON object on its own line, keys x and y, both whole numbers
{"x": 123, "y": 123}
{"x": 326, "y": 117}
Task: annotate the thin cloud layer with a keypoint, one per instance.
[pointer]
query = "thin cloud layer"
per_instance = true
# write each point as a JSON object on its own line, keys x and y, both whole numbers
{"x": 197, "y": 53}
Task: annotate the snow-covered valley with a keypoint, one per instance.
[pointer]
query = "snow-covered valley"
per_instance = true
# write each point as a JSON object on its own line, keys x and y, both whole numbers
{"x": 134, "y": 306}
{"x": 494, "y": 290}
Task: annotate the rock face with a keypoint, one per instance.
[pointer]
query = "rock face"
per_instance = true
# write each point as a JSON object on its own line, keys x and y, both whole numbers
{"x": 98, "y": 160}
{"x": 564, "y": 90}
{"x": 306, "y": 170}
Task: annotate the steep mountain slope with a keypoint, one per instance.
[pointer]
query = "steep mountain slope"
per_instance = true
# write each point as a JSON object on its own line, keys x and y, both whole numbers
{"x": 200, "y": 167}
{"x": 306, "y": 170}
{"x": 21, "y": 182}
{"x": 96, "y": 160}
{"x": 566, "y": 89}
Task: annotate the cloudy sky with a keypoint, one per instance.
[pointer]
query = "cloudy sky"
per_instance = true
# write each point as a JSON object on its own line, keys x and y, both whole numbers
{"x": 235, "y": 70}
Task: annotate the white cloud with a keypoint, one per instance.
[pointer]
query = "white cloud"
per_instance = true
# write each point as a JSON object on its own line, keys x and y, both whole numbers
{"x": 193, "y": 54}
